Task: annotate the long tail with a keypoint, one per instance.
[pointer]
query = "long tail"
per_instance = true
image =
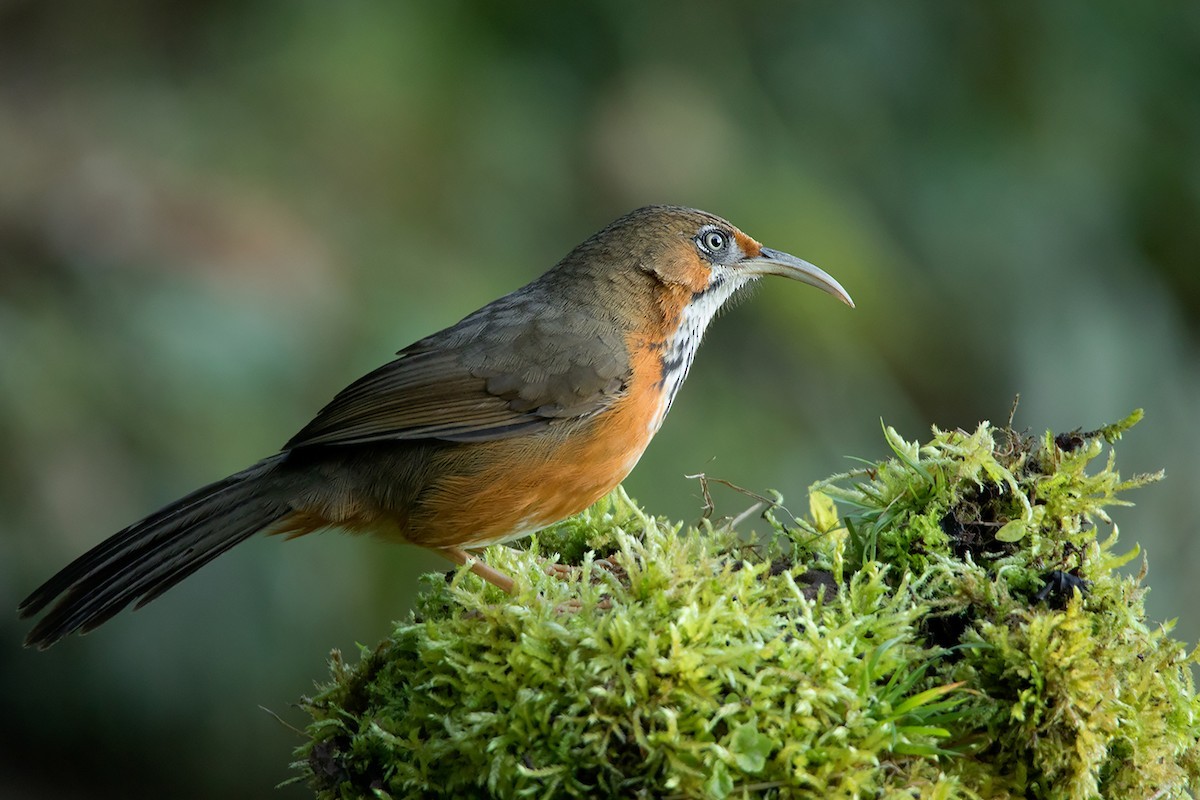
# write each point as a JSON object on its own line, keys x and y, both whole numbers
{"x": 149, "y": 557}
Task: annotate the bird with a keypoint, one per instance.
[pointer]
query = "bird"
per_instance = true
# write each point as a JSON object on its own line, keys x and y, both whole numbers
{"x": 523, "y": 413}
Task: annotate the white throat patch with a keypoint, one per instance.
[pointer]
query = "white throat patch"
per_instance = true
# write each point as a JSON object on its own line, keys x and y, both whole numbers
{"x": 681, "y": 347}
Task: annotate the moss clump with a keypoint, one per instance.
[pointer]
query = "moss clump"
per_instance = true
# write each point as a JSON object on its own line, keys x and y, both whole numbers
{"x": 945, "y": 623}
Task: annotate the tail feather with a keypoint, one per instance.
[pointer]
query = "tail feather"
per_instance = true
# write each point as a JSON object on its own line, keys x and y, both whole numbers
{"x": 152, "y": 555}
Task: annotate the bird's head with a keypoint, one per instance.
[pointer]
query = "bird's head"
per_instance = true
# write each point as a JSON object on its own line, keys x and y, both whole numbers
{"x": 692, "y": 250}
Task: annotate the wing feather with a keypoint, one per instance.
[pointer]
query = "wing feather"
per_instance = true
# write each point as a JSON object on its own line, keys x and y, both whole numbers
{"x": 501, "y": 372}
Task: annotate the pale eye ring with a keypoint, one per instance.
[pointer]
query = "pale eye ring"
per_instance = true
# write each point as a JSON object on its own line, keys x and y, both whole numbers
{"x": 713, "y": 241}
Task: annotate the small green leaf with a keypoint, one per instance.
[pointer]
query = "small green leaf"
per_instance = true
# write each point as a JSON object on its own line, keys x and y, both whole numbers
{"x": 918, "y": 700}
{"x": 1013, "y": 531}
{"x": 719, "y": 783}
{"x": 1111, "y": 433}
{"x": 750, "y": 748}
{"x": 823, "y": 511}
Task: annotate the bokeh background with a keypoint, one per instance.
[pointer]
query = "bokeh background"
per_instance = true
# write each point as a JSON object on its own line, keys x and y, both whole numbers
{"x": 214, "y": 215}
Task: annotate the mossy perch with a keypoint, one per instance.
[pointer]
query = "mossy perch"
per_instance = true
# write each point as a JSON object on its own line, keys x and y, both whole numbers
{"x": 946, "y": 623}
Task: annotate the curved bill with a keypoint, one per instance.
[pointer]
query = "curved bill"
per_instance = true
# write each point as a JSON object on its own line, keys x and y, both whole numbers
{"x": 776, "y": 262}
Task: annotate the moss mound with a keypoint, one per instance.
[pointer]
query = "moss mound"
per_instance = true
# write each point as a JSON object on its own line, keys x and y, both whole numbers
{"x": 947, "y": 623}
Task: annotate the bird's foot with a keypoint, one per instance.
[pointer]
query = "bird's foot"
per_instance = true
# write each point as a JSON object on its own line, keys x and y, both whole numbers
{"x": 603, "y": 567}
{"x": 575, "y": 605}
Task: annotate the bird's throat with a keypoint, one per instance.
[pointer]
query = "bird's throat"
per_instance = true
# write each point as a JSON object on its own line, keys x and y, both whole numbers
{"x": 680, "y": 348}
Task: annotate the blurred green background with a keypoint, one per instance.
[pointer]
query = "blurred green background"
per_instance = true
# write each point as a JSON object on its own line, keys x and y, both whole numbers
{"x": 214, "y": 215}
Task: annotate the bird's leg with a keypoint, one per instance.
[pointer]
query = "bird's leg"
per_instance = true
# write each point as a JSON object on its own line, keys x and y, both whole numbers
{"x": 497, "y": 578}
{"x": 490, "y": 574}
{"x": 554, "y": 569}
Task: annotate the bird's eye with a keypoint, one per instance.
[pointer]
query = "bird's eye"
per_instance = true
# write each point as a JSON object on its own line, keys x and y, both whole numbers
{"x": 712, "y": 241}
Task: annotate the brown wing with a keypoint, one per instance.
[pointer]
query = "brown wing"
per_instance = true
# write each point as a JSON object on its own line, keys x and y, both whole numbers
{"x": 510, "y": 368}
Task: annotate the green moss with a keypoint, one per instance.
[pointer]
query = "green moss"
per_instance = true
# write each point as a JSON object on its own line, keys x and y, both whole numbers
{"x": 946, "y": 623}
